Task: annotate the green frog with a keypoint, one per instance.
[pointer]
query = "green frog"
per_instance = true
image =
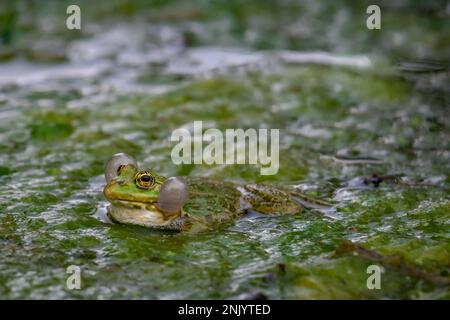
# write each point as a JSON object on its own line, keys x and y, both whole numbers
{"x": 148, "y": 199}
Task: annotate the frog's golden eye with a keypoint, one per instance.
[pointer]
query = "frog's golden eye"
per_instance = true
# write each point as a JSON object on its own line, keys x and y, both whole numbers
{"x": 144, "y": 180}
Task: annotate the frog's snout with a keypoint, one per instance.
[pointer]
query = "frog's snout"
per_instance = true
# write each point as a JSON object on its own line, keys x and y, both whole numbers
{"x": 172, "y": 195}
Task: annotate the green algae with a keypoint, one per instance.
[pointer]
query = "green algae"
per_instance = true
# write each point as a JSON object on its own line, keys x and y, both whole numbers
{"x": 56, "y": 136}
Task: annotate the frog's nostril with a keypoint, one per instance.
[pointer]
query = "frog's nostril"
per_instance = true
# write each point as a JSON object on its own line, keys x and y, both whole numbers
{"x": 172, "y": 195}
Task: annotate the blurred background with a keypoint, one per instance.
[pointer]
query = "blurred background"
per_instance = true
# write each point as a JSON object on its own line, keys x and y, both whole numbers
{"x": 411, "y": 28}
{"x": 350, "y": 102}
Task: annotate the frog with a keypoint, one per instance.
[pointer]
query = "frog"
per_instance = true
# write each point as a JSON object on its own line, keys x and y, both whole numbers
{"x": 147, "y": 199}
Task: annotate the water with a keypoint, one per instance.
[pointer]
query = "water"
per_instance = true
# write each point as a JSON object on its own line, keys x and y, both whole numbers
{"x": 346, "y": 107}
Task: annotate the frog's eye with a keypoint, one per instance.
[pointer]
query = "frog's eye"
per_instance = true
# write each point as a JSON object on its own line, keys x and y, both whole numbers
{"x": 144, "y": 180}
{"x": 116, "y": 163}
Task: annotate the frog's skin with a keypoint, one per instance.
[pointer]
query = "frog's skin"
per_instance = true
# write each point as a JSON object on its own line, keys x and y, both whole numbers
{"x": 165, "y": 205}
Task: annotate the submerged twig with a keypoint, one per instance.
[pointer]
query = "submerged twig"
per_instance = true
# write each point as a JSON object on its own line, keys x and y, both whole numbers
{"x": 395, "y": 262}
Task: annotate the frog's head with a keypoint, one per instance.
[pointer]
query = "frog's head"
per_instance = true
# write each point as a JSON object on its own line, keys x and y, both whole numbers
{"x": 142, "y": 197}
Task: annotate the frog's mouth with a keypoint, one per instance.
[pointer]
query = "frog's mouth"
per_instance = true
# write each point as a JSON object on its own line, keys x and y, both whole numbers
{"x": 148, "y": 209}
{"x": 129, "y": 197}
{"x": 146, "y": 215}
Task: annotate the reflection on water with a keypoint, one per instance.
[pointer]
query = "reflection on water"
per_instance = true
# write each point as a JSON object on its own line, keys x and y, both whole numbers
{"x": 101, "y": 213}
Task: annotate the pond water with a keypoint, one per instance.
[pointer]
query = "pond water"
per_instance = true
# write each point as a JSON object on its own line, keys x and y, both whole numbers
{"x": 350, "y": 104}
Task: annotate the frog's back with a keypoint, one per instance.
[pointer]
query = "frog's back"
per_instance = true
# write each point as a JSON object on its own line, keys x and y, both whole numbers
{"x": 211, "y": 202}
